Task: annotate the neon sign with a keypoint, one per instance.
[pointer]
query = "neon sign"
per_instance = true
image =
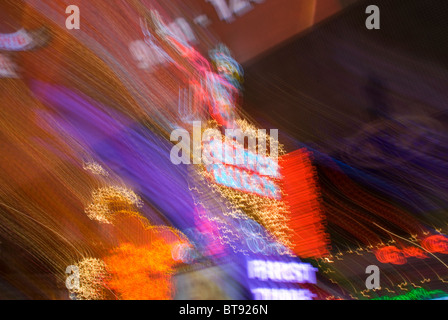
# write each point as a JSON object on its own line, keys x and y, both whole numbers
{"x": 216, "y": 89}
{"x": 242, "y": 169}
{"x": 306, "y": 213}
{"x": 257, "y": 243}
{"x": 239, "y": 179}
{"x": 416, "y": 294}
{"x": 394, "y": 255}
{"x": 235, "y": 154}
{"x": 290, "y": 181}
{"x": 279, "y": 273}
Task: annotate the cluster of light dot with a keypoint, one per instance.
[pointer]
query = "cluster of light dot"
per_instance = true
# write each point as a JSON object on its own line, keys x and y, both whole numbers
{"x": 92, "y": 277}
{"x": 109, "y": 200}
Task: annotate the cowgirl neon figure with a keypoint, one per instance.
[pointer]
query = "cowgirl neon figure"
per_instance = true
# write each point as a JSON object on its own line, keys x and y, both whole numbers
{"x": 219, "y": 91}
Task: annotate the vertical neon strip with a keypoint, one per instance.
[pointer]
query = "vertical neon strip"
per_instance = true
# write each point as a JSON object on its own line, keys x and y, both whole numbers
{"x": 302, "y": 196}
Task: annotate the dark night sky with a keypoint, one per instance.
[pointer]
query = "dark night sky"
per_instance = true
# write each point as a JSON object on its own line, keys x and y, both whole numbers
{"x": 327, "y": 82}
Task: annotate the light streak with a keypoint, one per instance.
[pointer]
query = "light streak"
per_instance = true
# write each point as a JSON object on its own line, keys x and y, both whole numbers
{"x": 92, "y": 278}
{"x": 109, "y": 200}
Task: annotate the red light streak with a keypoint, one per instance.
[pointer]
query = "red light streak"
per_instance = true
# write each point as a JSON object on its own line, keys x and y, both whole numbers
{"x": 436, "y": 243}
{"x": 394, "y": 255}
{"x": 302, "y": 196}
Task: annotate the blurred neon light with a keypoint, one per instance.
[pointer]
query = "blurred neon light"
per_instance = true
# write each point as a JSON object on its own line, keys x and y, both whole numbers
{"x": 281, "y": 271}
{"x": 218, "y": 92}
{"x": 282, "y": 294}
{"x": 237, "y": 178}
{"x": 417, "y": 294}
{"x": 228, "y": 11}
{"x": 241, "y": 169}
{"x": 16, "y": 41}
{"x": 394, "y": 255}
{"x": 276, "y": 273}
{"x": 141, "y": 272}
{"x": 233, "y": 153}
{"x": 301, "y": 194}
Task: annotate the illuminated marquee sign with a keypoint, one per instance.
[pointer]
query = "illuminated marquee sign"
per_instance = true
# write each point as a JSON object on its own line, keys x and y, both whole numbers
{"x": 271, "y": 279}
{"x": 243, "y": 170}
{"x": 281, "y": 271}
{"x": 239, "y": 179}
{"x": 302, "y": 196}
{"x": 283, "y": 200}
{"x": 291, "y": 181}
